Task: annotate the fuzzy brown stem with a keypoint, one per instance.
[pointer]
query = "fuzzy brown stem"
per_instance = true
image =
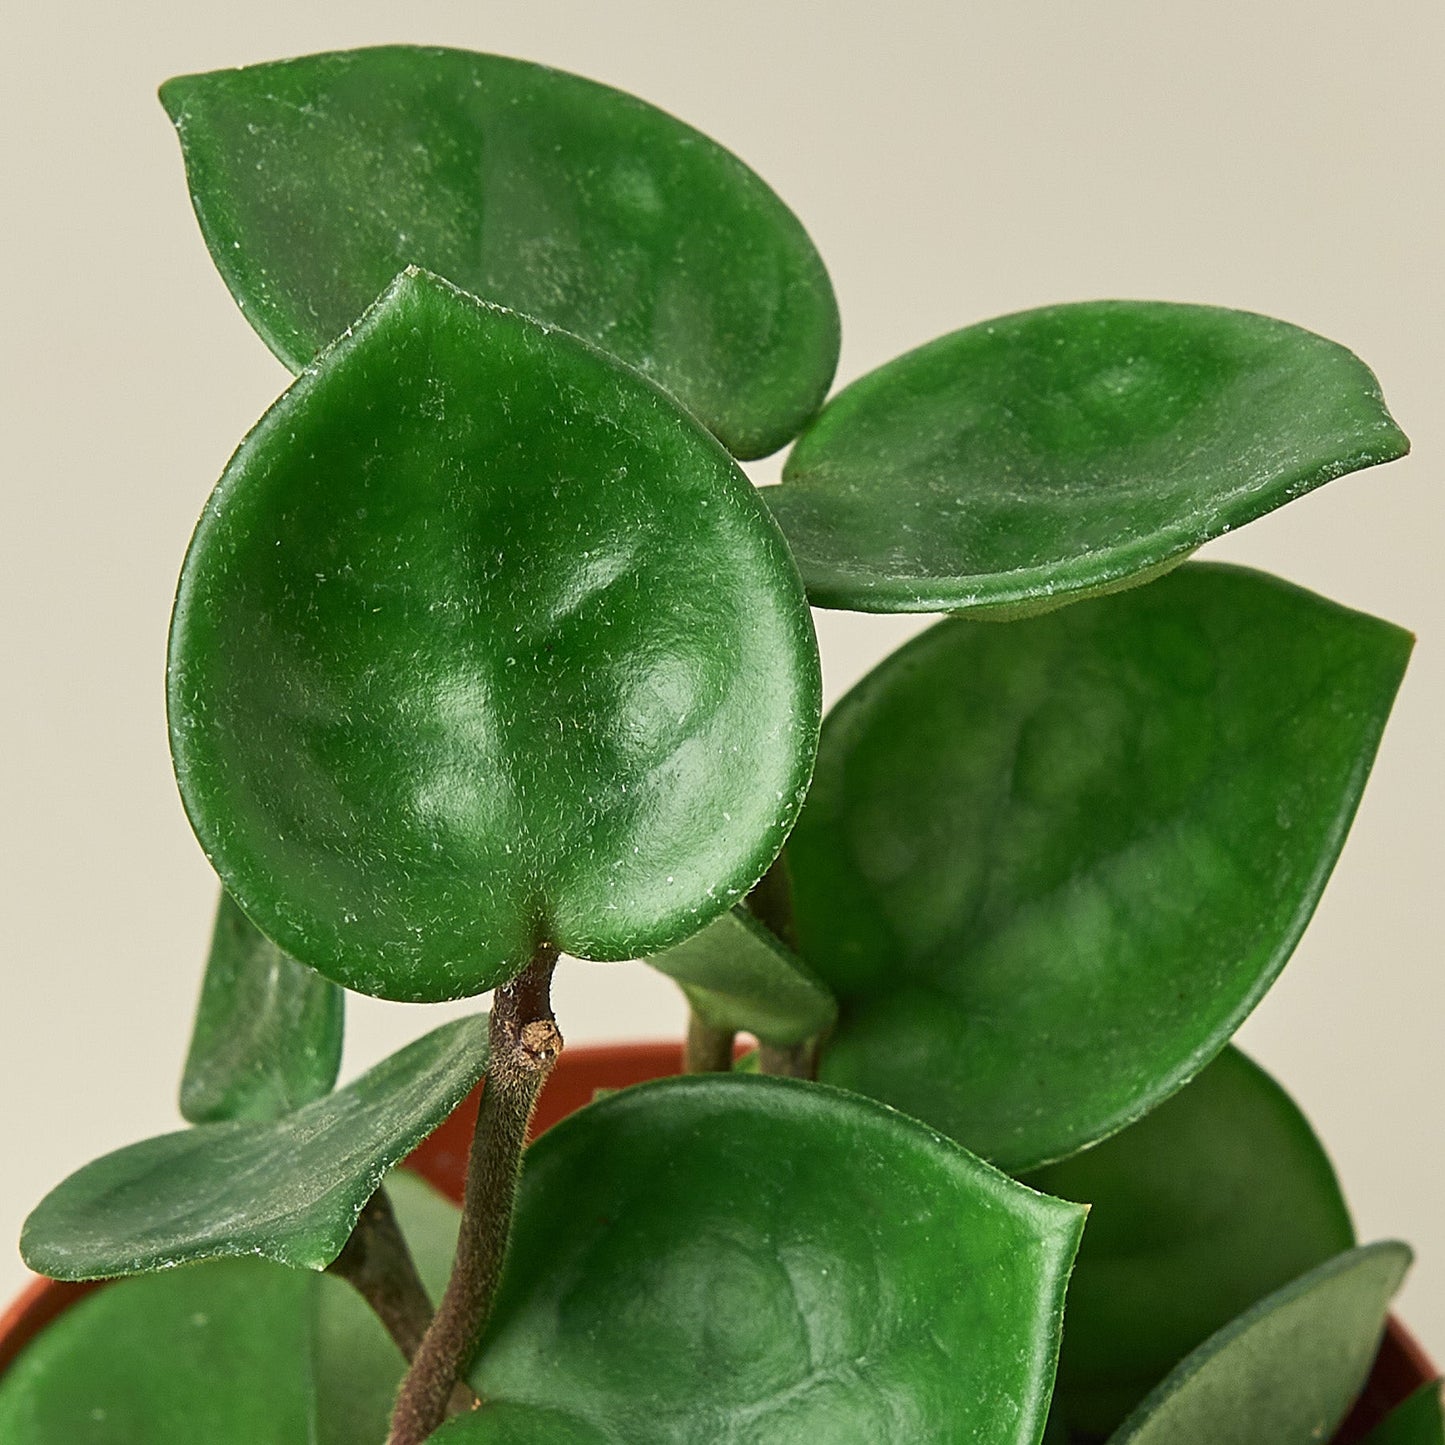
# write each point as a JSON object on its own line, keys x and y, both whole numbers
{"x": 378, "y": 1265}
{"x": 524, "y": 1046}
{"x": 708, "y": 1050}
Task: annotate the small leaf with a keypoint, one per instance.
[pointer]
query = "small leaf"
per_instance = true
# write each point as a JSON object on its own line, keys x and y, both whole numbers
{"x": 1417, "y": 1422}
{"x": 316, "y": 180}
{"x": 289, "y": 1190}
{"x": 1285, "y": 1371}
{"x": 268, "y": 1031}
{"x": 1048, "y": 869}
{"x": 723, "y": 1258}
{"x": 738, "y": 976}
{"x": 439, "y": 693}
{"x": 1042, "y": 457}
{"x": 214, "y": 1354}
{"x": 1203, "y": 1207}
{"x": 358, "y": 1368}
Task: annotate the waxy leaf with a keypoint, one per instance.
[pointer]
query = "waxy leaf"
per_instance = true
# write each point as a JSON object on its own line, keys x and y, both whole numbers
{"x": 481, "y": 643}
{"x": 358, "y": 1368}
{"x": 213, "y": 1354}
{"x": 1035, "y": 459}
{"x": 316, "y": 180}
{"x": 1219, "y": 1197}
{"x": 267, "y": 1037}
{"x": 1049, "y": 868}
{"x": 1418, "y": 1421}
{"x": 503, "y": 1423}
{"x": 1287, "y": 1370}
{"x": 719, "y": 1259}
{"x": 289, "y": 1190}
{"x": 738, "y": 976}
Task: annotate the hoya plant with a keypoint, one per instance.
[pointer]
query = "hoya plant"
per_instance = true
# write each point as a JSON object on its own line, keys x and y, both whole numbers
{"x": 486, "y": 651}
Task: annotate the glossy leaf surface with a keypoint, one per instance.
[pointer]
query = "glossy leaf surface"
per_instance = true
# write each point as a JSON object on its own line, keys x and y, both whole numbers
{"x": 721, "y": 1259}
{"x": 482, "y": 642}
{"x": 214, "y": 1354}
{"x": 1217, "y": 1198}
{"x": 268, "y": 1031}
{"x": 1041, "y": 457}
{"x": 316, "y": 180}
{"x": 738, "y": 976}
{"x": 289, "y": 1190}
{"x": 1417, "y": 1422}
{"x": 1049, "y": 868}
{"x": 358, "y": 1369}
{"x": 1288, "y": 1369}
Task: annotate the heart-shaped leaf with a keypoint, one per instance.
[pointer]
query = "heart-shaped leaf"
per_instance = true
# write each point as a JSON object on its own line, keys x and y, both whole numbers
{"x": 289, "y": 1190}
{"x": 724, "y": 1259}
{"x": 358, "y": 1368}
{"x": 267, "y": 1037}
{"x": 1287, "y": 1370}
{"x": 215, "y": 1353}
{"x": 1203, "y": 1207}
{"x": 1049, "y": 868}
{"x": 1418, "y": 1421}
{"x": 316, "y": 180}
{"x": 481, "y": 642}
{"x": 737, "y": 976}
{"x": 1038, "y": 458}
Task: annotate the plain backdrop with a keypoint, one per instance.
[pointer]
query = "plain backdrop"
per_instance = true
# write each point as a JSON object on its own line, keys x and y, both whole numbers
{"x": 953, "y": 161}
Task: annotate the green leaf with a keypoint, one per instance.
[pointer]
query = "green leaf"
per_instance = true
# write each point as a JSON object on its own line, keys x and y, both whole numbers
{"x": 1287, "y": 1370}
{"x": 1042, "y": 457}
{"x": 288, "y": 1190}
{"x": 1417, "y": 1422}
{"x": 719, "y": 1259}
{"x": 316, "y": 180}
{"x": 214, "y": 1354}
{"x": 501, "y": 1423}
{"x": 442, "y": 692}
{"x": 738, "y": 976}
{"x": 1203, "y": 1207}
{"x": 358, "y": 1368}
{"x": 1049, "y": 868}
{"x": 268, "y": 1031}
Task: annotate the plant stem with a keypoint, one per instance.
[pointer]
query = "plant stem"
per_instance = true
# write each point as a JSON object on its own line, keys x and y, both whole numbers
{"x": 708, "y": 1050}
{"x": 378, "y": 1265}
{"x": 524, "y": 1046}
{"x": 792, "y": 1061}
{"x": 377, "y": 1262}
{"x": 771, "y": 903}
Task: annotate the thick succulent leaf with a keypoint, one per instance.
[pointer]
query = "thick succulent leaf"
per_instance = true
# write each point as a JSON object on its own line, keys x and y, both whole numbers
{"x": 215, "y": 1353}
{"x": 482, "y": 642}
{"x": 1030, "y": 461}
{"x": 503, "y": 1423}
{"x": 1287, "y": 1370}
{"x": 722, "y": 1259}
{"x": 1219, "y": 1197}
{"x": 267, "y": 1037}
{"x": 1417, "y": 1422}
{"x": 737, "y": 975}
{"x": 316, "y": 180}
{"x": 1048, "y": 869}
{"x": 358, "y": 1369}
{"x": 289, "y": 1190}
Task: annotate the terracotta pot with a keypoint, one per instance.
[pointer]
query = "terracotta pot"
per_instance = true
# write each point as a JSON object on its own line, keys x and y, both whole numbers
{"x": 1400, "y": 1368}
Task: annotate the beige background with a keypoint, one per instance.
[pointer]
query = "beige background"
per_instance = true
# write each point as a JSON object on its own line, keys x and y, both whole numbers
{"x": 953, "y": 161}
